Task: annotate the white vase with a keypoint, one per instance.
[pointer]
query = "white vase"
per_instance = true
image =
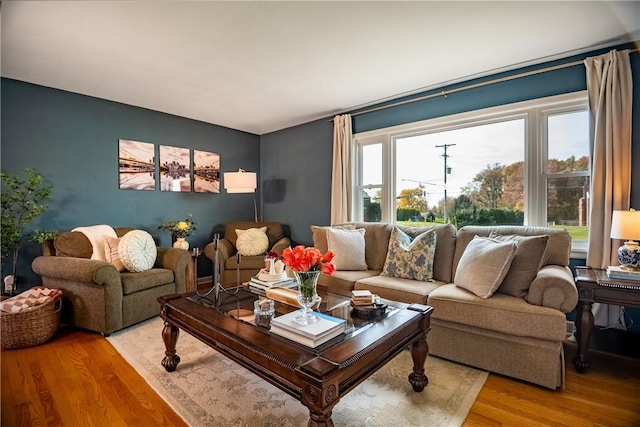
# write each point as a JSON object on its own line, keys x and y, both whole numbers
{"x": 181, "y": 243}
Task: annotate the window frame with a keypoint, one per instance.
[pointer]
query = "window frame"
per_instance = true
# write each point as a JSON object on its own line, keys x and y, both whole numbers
{"x": 535, "y": 114}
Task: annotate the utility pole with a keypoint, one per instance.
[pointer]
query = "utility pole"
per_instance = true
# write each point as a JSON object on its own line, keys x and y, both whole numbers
{"x": 446, "y": 170}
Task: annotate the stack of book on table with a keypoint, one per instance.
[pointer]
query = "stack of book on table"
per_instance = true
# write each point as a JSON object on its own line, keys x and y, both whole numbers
{"x": 260, "y": 286}
{"x": 361, "y": 297}
{"x": 313, "y": 335}
{"x": 615, "y": 272}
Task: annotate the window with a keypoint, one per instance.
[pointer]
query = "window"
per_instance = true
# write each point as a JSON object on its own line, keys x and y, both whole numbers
{"x": 370, "y": 193}
{"x": 525, "y": 163}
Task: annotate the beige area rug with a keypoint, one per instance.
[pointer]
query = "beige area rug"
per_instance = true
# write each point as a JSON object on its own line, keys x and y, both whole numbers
{"x": 207, "y": 389}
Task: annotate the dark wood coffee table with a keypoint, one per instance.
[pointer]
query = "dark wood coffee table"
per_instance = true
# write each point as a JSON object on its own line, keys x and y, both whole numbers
{"x": 318, "y": 377}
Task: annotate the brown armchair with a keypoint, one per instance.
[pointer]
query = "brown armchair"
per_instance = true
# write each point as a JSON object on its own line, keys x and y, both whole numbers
{"x": 249, "y": 265}
{"x": 99, "y": 297}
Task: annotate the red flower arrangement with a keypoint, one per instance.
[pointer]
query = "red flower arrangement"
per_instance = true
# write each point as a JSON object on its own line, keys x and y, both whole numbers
{"x": 308, "y": 259}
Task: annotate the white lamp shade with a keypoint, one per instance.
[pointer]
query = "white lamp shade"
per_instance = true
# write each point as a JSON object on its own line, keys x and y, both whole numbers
{"x": 625, "y": 225}
{"x": 240, "y": 182}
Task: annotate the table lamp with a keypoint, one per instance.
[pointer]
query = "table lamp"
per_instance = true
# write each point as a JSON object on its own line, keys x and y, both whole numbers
{"x": 625, "y": 225}
{"x": 242, "y": 182}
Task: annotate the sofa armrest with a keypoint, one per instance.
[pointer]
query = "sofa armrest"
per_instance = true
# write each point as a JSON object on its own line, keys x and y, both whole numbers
{"x": 554, "y": 287}
{"x": 225, "y": 250}
{"x": 76, "y": 270}
{"x": 178, "y": 261}
{"x": 280, "y": 245}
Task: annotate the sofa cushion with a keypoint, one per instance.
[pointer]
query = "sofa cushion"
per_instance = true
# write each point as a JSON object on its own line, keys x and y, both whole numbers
{"x": 445, "y": 247}
{"x": 137, "y": 251}
{"x": 500, "y": 313}
{"x": 255, "y": 262}
{"x": 252, "y": 241}
{"x": 525, "y": 265}
{"x": 398, "y": 289}
{"x": 376, "y": 240}
{"x": 558, "y": 246}
{"x": 72, "y": 244}
{"x": 341, "y": 282}
{"x": 319, "y": 235}
{"x": 111, "y": 253}
{"x": 483, "y": 265}
{"x": 409, "y": 258}
{"x": 140, "y": 281}
{"x": 348, "y": 248}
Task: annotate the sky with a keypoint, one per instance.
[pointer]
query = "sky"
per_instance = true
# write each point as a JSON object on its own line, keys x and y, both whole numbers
{"x": 475, "y": 148}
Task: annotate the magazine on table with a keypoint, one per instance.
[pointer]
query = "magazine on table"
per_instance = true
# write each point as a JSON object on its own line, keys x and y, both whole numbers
{"x": 324, "y": 326}
{"x": 302, "y": 339}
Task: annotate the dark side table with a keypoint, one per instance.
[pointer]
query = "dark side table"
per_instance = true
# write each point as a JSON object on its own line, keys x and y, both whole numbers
{"x": 595, "y": 286}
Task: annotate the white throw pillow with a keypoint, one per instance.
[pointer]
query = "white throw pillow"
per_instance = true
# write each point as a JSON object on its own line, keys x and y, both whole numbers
{"x": 348, "y": 247}
{"x": 483, "y": 265}
{"x": 137, "y": 251}
{"x": 253, "y": 241}
{"x": 96, "y": 235}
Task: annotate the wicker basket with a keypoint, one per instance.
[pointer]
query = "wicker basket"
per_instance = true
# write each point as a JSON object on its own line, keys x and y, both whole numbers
{"x": 30, "y": 327}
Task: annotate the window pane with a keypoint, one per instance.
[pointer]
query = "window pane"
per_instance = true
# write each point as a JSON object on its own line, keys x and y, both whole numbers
{"x": 568, "y": 142}
{"x": 484, "y": 173}
{"x": 372, "y": 164}
{"x": 371, "y": 198}
{"x": 568, "y": 205}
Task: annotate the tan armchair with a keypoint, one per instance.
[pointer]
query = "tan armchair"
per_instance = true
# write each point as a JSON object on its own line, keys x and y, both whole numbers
{"x": 249, "y": 265}
{"x": 99, "y": 297}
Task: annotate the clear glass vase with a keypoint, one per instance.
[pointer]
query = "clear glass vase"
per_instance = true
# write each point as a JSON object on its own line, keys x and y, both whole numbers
{"x": 307, "y": 295}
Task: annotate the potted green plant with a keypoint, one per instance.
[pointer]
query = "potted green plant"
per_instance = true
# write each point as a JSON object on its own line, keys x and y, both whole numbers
{"x": 22, "y": 200}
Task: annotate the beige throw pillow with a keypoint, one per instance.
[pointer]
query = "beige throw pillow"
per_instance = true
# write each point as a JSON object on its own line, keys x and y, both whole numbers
{"x": 319, "y": 234}
{"x": 348, "y": 247}
{"x": 525, "y": 265}
{"x": 483, "y": 265}
{"x": 252, "y": 241}
{"x": 111, "y": 253}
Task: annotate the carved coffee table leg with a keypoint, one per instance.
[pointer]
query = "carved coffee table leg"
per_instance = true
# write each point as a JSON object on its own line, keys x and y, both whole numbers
{"x": 320, "y": 402}
{"x": 317, "y": 420}
{"x": 170, "y": 337}
{"x": 419, "y": 351}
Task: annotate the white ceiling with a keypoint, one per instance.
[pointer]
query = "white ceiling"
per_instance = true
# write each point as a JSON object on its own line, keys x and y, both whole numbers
{"x": 264, "y": 66}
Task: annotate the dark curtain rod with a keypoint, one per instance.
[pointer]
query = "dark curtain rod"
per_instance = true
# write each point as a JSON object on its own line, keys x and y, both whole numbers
{"x": 444, "y": 93}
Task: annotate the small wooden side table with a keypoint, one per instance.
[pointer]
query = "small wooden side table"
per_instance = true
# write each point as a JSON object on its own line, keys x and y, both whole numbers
{"x": 595, "y": 286}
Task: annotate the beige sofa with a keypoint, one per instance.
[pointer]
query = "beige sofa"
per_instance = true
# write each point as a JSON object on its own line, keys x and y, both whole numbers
{"x": 520, "y": 337}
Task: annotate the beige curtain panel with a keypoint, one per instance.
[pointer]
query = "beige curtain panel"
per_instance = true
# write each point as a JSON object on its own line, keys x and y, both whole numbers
{"x": 342, "y": 175}
{"x": 609, "y": 86}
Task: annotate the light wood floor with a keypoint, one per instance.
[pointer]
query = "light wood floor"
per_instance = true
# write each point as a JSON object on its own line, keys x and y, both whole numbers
{"x": 79, "y": 379}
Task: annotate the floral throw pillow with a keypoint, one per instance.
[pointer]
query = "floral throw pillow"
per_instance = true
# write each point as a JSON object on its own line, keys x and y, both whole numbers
{"x": 409, "y": 258}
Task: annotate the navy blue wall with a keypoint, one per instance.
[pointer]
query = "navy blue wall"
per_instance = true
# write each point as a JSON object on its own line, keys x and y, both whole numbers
{"x": 300, "y": 158}
{"x": 315, "y": 139}
{"x": 73, "y": 141}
